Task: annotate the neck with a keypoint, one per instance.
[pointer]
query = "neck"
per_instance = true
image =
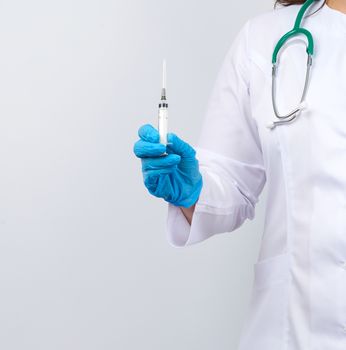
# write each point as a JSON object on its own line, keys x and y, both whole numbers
{"x": 339, "y": 5}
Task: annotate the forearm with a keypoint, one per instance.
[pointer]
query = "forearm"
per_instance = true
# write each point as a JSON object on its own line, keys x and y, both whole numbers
{"x": 188, "y": 212}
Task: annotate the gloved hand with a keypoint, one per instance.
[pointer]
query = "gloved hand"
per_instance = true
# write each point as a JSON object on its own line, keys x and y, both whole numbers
{"x": 175, "y": 177}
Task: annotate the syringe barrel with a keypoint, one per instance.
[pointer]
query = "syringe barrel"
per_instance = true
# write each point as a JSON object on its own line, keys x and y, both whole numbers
{"x": 163, "y": 125}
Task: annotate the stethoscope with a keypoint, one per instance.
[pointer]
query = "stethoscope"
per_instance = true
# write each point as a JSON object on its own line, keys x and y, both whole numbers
{"x": 309, "y": 50}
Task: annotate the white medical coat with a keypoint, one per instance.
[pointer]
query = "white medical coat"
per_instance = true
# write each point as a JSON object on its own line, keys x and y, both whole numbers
{"x": 299, "y": 293}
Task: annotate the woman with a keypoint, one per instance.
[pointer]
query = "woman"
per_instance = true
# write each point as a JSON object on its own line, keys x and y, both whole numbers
{"x": 299, "y": 293}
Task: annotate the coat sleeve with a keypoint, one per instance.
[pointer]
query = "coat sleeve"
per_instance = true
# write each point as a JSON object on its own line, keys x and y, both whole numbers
{"x": 229, "y": 154}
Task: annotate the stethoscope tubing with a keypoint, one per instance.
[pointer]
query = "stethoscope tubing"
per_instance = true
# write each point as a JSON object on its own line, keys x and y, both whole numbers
{"x": 297, "y": 30}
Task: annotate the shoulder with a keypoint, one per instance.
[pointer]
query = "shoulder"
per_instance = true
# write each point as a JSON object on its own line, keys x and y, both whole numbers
{"x": 279, "y": 16}
{"x": 262, "y": 31}
{"x": 257, "y": 37}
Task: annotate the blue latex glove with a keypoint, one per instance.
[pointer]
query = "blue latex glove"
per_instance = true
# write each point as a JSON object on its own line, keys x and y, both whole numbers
{"x": 175, "y": 177}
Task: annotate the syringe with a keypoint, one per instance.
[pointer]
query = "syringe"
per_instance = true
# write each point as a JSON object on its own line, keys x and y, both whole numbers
{"x": 163, "y": 108}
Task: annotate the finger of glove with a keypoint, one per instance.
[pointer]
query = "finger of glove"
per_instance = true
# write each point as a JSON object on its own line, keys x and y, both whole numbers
{"x": 144, "y": 149}
{"x": 148, "y": 133}
{"x": 178, "y": 146}
{"x": 160, "y": 163}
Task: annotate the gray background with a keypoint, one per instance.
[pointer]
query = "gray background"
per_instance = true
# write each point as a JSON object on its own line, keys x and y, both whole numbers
{"x": 84, "y": 261}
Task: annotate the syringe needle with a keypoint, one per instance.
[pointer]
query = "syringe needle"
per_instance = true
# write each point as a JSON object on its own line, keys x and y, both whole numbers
{"x": 164, "y": 75}
{"x": 164, "y": 80}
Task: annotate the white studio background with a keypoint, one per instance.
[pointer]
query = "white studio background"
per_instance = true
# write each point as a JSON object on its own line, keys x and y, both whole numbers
{"x": 84, "y": 260}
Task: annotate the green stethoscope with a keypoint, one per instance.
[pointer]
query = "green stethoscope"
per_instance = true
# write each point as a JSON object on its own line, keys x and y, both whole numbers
{"x": 309, "y": 50}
